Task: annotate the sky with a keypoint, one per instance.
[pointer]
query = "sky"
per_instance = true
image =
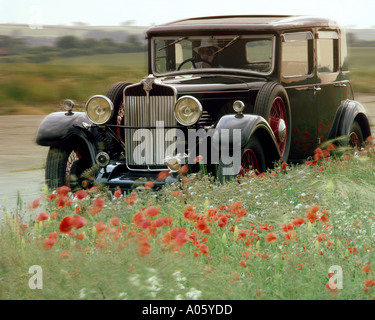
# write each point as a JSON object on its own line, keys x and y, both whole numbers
{"x": 353, "y": 13}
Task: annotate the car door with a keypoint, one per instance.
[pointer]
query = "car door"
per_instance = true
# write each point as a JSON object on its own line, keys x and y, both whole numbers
{"x": 332, "y": 88}
{"x": 297, "y": 74}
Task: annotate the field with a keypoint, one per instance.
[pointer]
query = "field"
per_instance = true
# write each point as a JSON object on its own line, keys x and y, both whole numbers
{"x": 40, "y": 88}
{"x": 301, "y": 232}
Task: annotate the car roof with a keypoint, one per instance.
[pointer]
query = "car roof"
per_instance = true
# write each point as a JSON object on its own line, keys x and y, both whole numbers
{"x": 241, "y": 23}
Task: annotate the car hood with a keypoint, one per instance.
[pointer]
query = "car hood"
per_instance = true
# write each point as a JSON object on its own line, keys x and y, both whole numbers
{"x": 196, "y": 84}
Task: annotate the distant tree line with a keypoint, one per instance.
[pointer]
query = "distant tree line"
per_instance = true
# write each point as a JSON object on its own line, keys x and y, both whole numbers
{"x": 17, "y": 50}
{"x": 353, "y": 41}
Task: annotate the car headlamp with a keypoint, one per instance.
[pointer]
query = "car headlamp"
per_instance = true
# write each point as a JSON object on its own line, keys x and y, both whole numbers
{"x": 99, "y": 109}
{"x": 187, "y": 110}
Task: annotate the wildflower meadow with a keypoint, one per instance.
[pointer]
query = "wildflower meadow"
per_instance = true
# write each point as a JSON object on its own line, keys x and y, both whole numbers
{"x": 301, "y": 232}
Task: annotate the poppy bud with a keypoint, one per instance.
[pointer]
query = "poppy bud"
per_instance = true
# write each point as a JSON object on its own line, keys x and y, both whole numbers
{"x": 257, "y": 246}
{"x": 224, "y": 238}
{"x": 316, "y": 244}
{"x": 309, "y": 226}
{"x": 338, "y": 244}
{"x": 206, "y": 204}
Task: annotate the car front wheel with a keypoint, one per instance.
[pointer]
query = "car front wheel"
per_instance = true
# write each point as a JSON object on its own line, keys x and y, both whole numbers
{"x": 252, "y": 161}
{"x": 69, "y": 166}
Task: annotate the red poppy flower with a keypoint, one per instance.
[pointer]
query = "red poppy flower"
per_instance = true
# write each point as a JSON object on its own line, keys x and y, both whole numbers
{"x": 198, "y": 158}
{"x": 152, "y": 211}
{"x": 223, "y": 221}
{"x": 81, "y": 194}
{"x": 149, "y": 185}
{"x": 330, "y": 147}
{"x": 176, "y": 194}
{"x": 145, "y": 248}
{"x": 42, "y": 216}
{"x": 138, "y": 218}
{"x": 271, "y": 237}
{"x": 66, "y": 224}
{"x": 265, "y": 226}
{"x": 163, "y": 175}
{"x": 284, "y": 165}
{"x": 65, "y": 254}
{"x": 115, "y": 221}
{"x": 79, "y": 222}
{"x": 204, "y": 249}
{"x": 243, "y": 264}
{"x": 99, "y": 202}
{"x": 81, "y": 236}
{"x": 369, "y": 282}
{"x": 297, "y": 221}
{"x": 287, "y": 227}
{"x": 366, "y": 268}
{"x": 311, "y": 215}
{"x": 100, "y": 227}
{"x": 184, "y": 169}
{"x": 35, "y": 204}
{"x": 130, "y": 200}
{"x": 63, "y": 191}
{"x": 118, "y": 194}
{"x": 50, "y": 241}
{"x": 321, "y": 237}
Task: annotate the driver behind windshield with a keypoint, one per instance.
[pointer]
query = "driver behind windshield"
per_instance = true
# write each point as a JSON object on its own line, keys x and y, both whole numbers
{"x": 207, "y": 51}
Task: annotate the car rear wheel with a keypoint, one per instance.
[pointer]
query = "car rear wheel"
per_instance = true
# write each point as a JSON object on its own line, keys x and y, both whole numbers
{"x": 252, "y": 161}
{"x": 69, "y": 166}
{"x": 355, "y": 136}
{"x": 272, "y": 104}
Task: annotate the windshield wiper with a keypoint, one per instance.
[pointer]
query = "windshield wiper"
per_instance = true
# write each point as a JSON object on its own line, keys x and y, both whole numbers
{"x": 172, "y": 43}
{"x": 229, "y": 43}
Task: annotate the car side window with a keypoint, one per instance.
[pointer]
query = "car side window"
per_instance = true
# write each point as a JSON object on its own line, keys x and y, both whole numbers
{"x": 296, "y": 54}
{"x": 327, "y": 51}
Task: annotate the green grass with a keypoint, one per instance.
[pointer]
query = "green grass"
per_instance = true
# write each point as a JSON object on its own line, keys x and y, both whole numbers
{"x": 362, "y": 67}
{"x": 40, "y": 88}
{"x": 230, "y": 262}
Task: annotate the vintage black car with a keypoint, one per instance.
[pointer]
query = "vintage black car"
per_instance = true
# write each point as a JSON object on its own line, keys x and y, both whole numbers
{"x": 241, "y": 92}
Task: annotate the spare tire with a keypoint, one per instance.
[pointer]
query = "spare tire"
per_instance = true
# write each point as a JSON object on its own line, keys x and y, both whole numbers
{"x": 272, "y": 103}
{"x": 115, "y": 94}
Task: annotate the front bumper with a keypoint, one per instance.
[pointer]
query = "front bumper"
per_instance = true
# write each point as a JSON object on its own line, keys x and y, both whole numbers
{"x": 117, "y": 174}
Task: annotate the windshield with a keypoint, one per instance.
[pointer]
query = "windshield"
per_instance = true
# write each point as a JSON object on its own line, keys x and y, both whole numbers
{"x": 250, "y": 53}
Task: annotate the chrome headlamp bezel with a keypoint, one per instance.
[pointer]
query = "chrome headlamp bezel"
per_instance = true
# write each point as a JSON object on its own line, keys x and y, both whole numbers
{"x": 91, "y": 103}
{"x": 179, "y": 106}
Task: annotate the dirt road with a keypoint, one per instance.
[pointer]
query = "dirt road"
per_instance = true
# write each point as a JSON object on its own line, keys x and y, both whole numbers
{"x": 22, "y": 160}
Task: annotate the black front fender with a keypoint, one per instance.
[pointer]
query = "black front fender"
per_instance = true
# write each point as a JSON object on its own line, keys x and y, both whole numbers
{"x": 246, "y": 127}
{"x": 59, "y": 126}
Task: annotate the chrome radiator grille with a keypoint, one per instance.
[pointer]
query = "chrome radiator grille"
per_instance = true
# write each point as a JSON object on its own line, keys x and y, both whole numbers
{"x": 148, "y": 106}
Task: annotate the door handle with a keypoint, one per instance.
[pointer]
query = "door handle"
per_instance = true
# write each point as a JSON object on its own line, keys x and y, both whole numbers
{"x": 343, "y": 85}
{"x": 315, "y": 88}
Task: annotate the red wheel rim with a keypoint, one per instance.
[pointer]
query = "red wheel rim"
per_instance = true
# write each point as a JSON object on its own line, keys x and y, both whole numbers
{"x": 278, "y": 112}
{"x": 74, "y": 156}
{"x": 120, "y": 121}
{"x": 354, "y": 141}
{"x": 249, "y": 162}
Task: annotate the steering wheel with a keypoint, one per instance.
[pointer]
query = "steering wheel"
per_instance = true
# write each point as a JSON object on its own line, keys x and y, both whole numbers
{"x": 193, "y": 61}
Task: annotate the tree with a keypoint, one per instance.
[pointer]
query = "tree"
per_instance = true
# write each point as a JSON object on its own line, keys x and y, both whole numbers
{"x": 68, "y": 42}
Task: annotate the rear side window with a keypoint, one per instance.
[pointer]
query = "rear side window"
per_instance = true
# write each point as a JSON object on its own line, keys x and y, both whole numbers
{"x": 296, "y": 54}
{"x": 327, "y": 51}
